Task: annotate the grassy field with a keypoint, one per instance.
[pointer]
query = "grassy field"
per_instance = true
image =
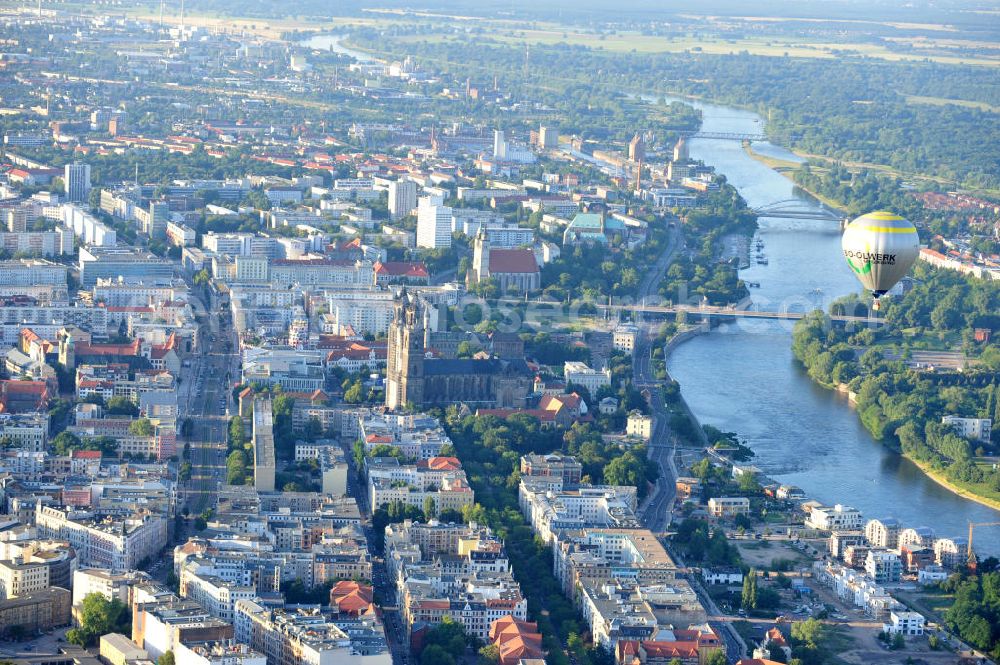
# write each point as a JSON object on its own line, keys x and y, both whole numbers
{"x": 928, "y": 602}
{"x": 777, "y": 46}
{"x": 943, "y": 101}
{"x": 779, "y": 165}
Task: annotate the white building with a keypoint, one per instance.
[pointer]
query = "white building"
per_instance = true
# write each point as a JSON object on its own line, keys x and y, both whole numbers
{"x": 623, "y": 337}
{"x": 728, "y": 506}
{"x": 76, "y": 181}
{"x": 402, "y": 198}
{"x": 974, "y": 429}
{"x": 904, "y": 623}
{"x": 17, "y": 579}
{"x": 115, "y": 543}
{"x": 883, "y": 567}
{"x": 639, "y": 426}
{"x": 580, "y": 374}
{"x": 837, "y": 518}
{"x": 217, "y": 653}
{"x": 433, "y": 225}
{"x": 213, "y": 593}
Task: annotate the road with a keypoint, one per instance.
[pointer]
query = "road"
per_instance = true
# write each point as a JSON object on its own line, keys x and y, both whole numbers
{"x": 206, "y": 400}
{"x": 655, "y": 510}
{"x": 385, "y": 587}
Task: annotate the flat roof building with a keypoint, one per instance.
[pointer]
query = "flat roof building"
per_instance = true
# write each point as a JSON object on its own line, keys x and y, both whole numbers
{"x": 263, "y": 445}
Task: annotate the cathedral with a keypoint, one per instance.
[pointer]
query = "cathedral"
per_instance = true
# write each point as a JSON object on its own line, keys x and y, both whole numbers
{"x": 415, "y": 376}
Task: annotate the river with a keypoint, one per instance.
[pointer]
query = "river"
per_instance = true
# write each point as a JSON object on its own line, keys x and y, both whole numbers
{"x": 331, "y": 42}
{"x": 742, "y": 377}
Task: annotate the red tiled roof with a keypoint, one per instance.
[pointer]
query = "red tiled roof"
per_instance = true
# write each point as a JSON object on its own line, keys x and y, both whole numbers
{"x": 412, "y": 269}
{"x": 512, "y": 261}
{"x": 85, "y": 454}
{"x": 441, "y": 463}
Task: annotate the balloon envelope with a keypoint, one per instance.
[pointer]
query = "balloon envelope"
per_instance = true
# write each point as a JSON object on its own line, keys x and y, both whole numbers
{"x": 880, "y": 248}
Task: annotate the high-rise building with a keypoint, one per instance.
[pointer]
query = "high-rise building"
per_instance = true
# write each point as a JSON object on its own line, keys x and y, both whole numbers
{"x": 636, "y": 149}
{"x": 402, "y": 198}
{"x": 499, "y": 144}
{"x": 76, "y": 180}
{"x": 548, "y": 136}
{"x": 681, "y": 153}
{"x": 433, "y": 225}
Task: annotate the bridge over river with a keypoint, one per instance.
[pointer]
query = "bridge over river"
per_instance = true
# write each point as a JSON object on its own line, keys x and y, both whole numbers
{"x": 547, "y": 308}
{"x": 797, "y": 209}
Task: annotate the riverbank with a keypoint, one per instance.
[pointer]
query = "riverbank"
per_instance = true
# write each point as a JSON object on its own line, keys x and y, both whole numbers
{"x": 785, "y": 167}
{"x": 951, "y": 487}
{"x": 893, "y": 435}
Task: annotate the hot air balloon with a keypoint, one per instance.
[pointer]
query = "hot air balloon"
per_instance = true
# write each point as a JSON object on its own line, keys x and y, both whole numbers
{"x": 880, "y": 247}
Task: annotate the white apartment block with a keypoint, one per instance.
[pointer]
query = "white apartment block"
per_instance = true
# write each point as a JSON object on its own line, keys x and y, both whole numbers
{"x": 883, "y": 533}
{"x": 837, "y": 518}
{"x": 216, "y": 595}
{"x": 623, "y": 338}
{"x": 728, "y": 506}
{"x": 974, "y": 429}
{"x": 366, "y": 312}
{"x": 17, "y": 579}
{"x": 402, "y": 198}
{"x": 433, "y": 225}
{"x": 550, "y": 511}
{"x": 580, "y": 374}
{"x": 639, "y": 425}
{"x": 115, "y": 543}
{"x": 904, "y": 623}
{"x": 38, "y": 243}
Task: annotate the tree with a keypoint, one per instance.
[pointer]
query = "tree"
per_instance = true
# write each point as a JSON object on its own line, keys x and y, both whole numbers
{"x": 749, "y": 599}
{"x": 489, "y": 655}
{"x": 435, "y": 655}
{"x": 166, "y": 659}
{"x": 429, "y": 509}
{"x": 313, "y": 429}
{"x": 355, "y": 394}
{"x": 450, "y": 636}
{"x": 808, "y": 633}
{"x": 141, "y": 427}
{"x": 65, "y": 442}
{"x": 898, "y": 642}
{"x": 121, "y": 406}
{"x": 716, "y": 658}
{"x": 100, "y": 616}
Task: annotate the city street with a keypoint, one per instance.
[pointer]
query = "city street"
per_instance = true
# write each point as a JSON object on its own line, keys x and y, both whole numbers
{"x": 206, "y": 401}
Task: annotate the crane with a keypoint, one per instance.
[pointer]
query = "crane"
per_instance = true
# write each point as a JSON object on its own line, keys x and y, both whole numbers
{"x": 970, "y": 555}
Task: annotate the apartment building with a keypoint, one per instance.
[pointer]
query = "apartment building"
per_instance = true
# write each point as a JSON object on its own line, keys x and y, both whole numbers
{"x": 883, "y": 533}
{"x": 263, "y": 445}
{"x": 310, "y": 636}
{"x": 18, "y": 578}
{"x": 440, "y": 479}
{"x": 105, "y": 541}
{"x": 727, "y": 507}
{"x": 836, "y": 518}
{"x": 455, "y": 570}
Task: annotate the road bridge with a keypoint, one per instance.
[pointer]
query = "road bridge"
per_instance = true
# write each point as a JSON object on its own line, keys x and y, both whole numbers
{"x": 729, "y": 136}
{"x": 797, "y": 209}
